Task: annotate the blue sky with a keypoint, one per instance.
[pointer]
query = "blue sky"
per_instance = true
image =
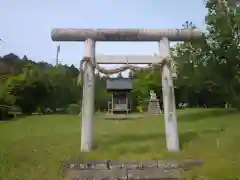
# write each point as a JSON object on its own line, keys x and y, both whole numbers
{"x": 26, "y": 25}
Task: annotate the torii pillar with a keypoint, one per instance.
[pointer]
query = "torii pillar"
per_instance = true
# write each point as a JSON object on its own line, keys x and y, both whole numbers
{"x": 163, "y": 36}
{"x": 88, "y": 97}
{"x": 171, "y": 128}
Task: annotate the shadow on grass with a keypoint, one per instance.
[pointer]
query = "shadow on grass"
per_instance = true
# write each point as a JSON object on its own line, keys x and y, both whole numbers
{"x": 144, "y": 138}
{"x": 205, "y": 115}
{"x": 184, "y": 138}
{"x": 126, "y": 139}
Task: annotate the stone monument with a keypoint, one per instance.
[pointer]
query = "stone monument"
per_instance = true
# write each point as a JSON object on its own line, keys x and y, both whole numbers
{"x": 154, "y": 106}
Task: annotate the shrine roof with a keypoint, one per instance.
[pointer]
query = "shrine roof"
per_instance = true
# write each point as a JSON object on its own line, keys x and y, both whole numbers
{"x": 119, "y": 84}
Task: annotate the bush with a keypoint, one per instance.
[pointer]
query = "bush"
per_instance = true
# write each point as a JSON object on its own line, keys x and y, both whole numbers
{"x": 73, "y": 109}
{"x": 3, "y": 113}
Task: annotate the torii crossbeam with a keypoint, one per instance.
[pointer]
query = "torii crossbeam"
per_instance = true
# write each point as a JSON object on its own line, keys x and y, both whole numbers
{"x": 163, "y": 36}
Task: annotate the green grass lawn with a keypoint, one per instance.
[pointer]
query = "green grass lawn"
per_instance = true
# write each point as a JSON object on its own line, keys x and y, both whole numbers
{"x": 32, "y": 148}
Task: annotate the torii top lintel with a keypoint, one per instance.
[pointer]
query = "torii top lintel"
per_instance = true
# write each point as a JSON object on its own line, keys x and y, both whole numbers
{"x": 70, "y": 34}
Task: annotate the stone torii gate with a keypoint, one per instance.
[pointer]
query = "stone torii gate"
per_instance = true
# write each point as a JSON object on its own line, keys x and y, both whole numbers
{"x": 163, "y": 36}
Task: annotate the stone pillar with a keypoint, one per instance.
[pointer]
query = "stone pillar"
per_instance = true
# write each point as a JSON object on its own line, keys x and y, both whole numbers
{"x": 154, "y": 105}
{"x": 171, "y": 127}
{"x": 88, "y": 98}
